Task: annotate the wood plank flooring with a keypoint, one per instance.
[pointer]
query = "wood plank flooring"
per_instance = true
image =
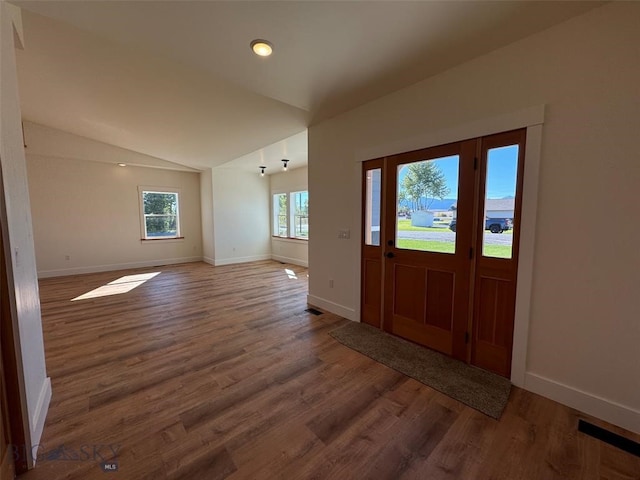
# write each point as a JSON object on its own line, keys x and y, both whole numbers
{"x": 211, "y": 373}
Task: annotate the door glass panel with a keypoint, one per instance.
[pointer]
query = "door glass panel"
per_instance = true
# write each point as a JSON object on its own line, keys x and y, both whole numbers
{"x": 372, "y": 210}
{"x": 499, "y": 201}
{"x": 426, "y": 205}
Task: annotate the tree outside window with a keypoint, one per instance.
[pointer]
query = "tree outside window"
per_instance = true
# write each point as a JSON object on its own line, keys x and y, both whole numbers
{"x": 423, "y": 183}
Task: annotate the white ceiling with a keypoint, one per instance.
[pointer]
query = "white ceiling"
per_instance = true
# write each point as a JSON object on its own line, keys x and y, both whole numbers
{"x": 293, "y": 149}
{"x": 177, "y": 80}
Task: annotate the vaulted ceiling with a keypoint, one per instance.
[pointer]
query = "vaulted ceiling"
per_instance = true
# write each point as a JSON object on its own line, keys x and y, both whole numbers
{"x": 177, "y": 80}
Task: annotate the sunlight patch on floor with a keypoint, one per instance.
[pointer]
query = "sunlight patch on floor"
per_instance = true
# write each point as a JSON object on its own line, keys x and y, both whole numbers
{"x": 121, "y": 285}
{"x": 291, "y": 273}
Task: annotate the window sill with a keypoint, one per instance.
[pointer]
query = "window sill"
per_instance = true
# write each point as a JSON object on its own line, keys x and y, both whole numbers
{"x": 289, "y": 239}
{"x": 167, "y": 239}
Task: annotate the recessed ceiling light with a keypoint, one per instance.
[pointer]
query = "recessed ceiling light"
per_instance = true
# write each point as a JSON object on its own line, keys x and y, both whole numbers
{"x": 122, "y": 164}
{"x": 262, "y": 47}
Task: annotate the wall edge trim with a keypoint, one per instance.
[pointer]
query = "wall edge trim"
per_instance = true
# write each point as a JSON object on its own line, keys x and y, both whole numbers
{"x": 603, "y": 408}
{"x": 293, "y": 261}
{"x": 116, "y": 266}
{"x": 234, "y": 260}
{"x": 341, "y": 310}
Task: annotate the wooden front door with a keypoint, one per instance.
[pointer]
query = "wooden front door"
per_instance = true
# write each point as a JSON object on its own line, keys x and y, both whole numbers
{"x": 434, "y": 274}
{"x": 426, "y": 279}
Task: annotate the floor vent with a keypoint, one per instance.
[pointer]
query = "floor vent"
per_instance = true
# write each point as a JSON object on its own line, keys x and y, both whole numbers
{"x": 611, "y": 438}
{"x": 313, "y": 311}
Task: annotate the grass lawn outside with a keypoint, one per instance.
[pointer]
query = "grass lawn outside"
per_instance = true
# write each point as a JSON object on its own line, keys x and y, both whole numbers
{"x": 405, "y": 226}
{"x": 499, "y": 251}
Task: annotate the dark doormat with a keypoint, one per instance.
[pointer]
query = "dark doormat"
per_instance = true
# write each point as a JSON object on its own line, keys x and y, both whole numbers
{"x": 479, "y": 389}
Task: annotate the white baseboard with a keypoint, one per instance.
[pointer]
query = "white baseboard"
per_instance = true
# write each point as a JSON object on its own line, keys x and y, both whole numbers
{"x": 232, "y": 260}
{"x": 115, "y": 266}
{"x": 209, "y": 260}
{"x": 346, "y": 312}
{"x": 40, "y": 414}
{"x": 293, "y": 261}
{"x": 602, "y": 408}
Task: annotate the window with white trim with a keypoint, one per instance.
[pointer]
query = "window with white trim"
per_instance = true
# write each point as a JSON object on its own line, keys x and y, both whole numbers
{"x": 300, "y": 214}
{"x": 280, "y": 220}
{"x": 291, "y": 215}
{"x": 160, "y": 213}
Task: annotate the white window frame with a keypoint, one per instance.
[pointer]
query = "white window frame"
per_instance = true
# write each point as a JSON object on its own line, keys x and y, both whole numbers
{"x": 290, "y": 215}
{"x": 275, "y": 217}
{"x": 142, "y": 189}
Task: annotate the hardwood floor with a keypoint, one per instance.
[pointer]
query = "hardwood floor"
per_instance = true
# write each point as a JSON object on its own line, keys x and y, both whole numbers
{"x": 206, "y": 373}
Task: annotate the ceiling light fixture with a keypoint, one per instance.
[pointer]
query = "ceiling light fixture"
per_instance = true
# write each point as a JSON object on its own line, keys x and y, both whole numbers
{"x": 262, "y": 169}
{"x": 261, "y": 47}
{"x": 122, "y": 164}
{"x": 285, "y": 161}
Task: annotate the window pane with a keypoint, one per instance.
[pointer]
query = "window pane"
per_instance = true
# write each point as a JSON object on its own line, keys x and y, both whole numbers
{"x": 372, "y": 210}
{"x": 426, "y": 205}
{"x": 300, "y": 214}
{"x": 161, "y": 225}
{"x": 161, "y": 214}
{"x": 160, "y": 203}
{"x": 280, "y": 215}
{"x": 499, "y": 202}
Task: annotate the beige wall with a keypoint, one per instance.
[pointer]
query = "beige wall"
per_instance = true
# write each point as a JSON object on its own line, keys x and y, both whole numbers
{"x": 18, "y": 237}
{"x": 206, "y": 212}
{"x": 584, "y": 328}
{"x": 289, "y": 250}
{"x": 240, "y": 216}
{"x": 90, "y": 212}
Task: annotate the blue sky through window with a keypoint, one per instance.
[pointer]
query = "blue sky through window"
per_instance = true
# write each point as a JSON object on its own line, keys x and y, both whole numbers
{"x": 501, "y": 172}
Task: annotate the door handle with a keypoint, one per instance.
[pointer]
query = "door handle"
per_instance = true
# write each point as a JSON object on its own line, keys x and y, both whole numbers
{"x": 389, "y": 254}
